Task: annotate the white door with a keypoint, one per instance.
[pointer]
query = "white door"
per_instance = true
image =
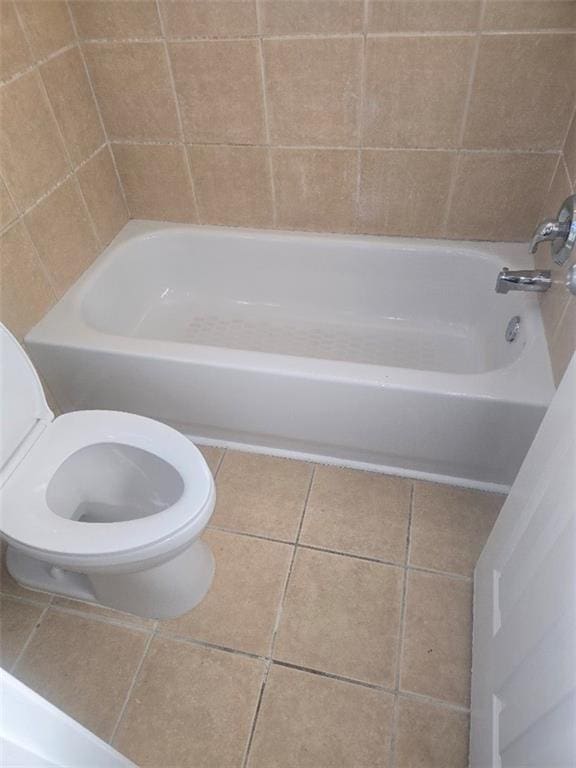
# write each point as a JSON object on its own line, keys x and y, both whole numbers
{"x": 524, "y": 656}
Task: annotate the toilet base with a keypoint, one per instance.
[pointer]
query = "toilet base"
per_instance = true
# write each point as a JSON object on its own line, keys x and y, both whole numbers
{"x": 43, "y": 577}
{"x": 164, "y": 591}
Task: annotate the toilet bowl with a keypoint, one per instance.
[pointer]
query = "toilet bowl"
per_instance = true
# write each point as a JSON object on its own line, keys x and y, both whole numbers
{"x": 100, "y": 506}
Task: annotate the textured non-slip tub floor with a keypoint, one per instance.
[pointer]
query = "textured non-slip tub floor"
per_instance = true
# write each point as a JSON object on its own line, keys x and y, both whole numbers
{"x": 336, "y": 634}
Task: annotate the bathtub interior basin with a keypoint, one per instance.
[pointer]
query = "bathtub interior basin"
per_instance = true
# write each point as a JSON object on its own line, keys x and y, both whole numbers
{"x": 425, "y": 308}
{"x": 378, "y": 352}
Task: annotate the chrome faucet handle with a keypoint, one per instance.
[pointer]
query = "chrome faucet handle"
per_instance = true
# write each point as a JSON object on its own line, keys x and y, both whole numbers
{"x": 559, "y": 232}
{"x": 548, "y": 230}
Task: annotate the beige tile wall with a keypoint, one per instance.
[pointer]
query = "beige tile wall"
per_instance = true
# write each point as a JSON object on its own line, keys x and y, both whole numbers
{"x": 558, "y": 306}
{"x": 60, "y": 197}
{"x": 439, "y": 118}
{"x": 442, "y": 118}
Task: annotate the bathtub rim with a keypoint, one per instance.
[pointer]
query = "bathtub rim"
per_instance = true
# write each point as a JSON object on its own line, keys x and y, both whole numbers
{"x": 525, "y": 380}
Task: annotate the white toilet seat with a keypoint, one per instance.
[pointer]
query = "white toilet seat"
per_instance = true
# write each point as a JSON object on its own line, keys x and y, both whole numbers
{"x": 28, "y": 521}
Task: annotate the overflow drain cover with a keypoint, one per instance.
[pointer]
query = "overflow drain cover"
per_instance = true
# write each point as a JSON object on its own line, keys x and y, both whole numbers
{"x": 512, "y": 329}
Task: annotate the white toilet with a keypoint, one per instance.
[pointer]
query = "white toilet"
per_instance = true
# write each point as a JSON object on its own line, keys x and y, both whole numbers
{"x": 100, "y": 506}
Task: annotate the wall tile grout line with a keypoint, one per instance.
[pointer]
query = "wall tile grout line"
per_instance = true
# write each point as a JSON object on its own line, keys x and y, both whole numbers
{"x": 565, "y": 310}
{"x": 52, "y": 189}
{"x": 340, "y": 148}
{"x": 36, "y": 68}
{"x": 266, "y": 110}
{"x": 37, "y": 63}
{"x": 187, "y": 162}
{"x": 572, "y": 119}
{"x": 553, "y": 175}
{"x": 360, "y": 116}
{"x": 567, "y": 172}
{"x": 72, "y": 172}
{"x": 326, "y": 36}
{"x": 463, "y": 124}
{"x": 97, "y": 104}
{"x": 19, "y": 218}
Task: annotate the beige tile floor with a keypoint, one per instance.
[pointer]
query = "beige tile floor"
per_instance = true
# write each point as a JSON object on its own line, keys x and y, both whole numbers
{"x": 336, "y": 633}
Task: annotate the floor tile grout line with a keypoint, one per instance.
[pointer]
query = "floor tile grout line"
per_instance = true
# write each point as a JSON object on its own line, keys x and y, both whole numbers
{"x": 354, "y": 556}
{"x": 278, "y": 618}
{"x": 271, "y": 661}
{"x": 250, "y": 740}
{"x": 29, "y": 600}
{"x": 219, "y": 462}
{"x": 305, "y": 507}
{"x": 373, "y": 686}
{"x": 400, "y": 643}
{"x": 424, "y": 698}
{"x": 28, "y": 640}
{"x": 156, "y": 632}
{"x": 183, "y": 640}
{"x": 100, "y": 619}
{"x": 364, "y": 558}
{"x": 131, "y": 687}
{"x": 333, "y": 676}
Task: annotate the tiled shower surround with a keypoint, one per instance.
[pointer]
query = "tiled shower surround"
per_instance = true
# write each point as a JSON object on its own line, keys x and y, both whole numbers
{"x": 431, "y": 118}
{"x": 437, "y": 118}
{"x": 336, "y": 634}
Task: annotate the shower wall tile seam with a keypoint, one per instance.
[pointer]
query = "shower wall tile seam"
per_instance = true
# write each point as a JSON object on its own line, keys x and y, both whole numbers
{"x": 71, "y": 174}
{"x": 97, "y": 104}
{"x": 571, "y": 182}
{"x": 568, "y": 300}
{"x": 19, "y": 218}
{"x": 74, "y": 177}
{"x": 341, "y": 148}
{"x": 464, "y": 121}
{"x": 38, "y": 63}
{"x": 338, "y": 36}
{"x": 360, "y": 115}
{"x": 567, "y": 134}
{"x": 187, "y": 162}
{"x": 266, "y": 113}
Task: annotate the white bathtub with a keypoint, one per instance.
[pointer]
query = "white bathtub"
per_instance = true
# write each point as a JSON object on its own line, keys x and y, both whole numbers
{"x": 382, "y": 353}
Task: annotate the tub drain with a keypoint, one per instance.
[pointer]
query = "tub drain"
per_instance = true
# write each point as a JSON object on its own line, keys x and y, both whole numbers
{"x": 512, "y": 329}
